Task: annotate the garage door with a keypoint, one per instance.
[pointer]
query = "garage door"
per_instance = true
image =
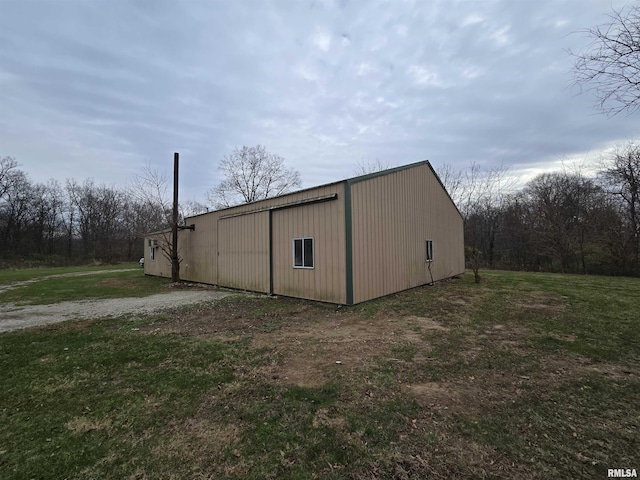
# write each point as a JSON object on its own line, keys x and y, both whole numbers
{"x": 243, "y": 252}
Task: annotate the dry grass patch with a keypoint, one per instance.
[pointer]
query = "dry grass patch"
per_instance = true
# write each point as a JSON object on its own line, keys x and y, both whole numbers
{"x": 85, "y": 424}
{"x": 523, "y": 376}
{"x": 424, "y": 323}
{"x": 307, "y": 342}
{"x": 194, "y": 439}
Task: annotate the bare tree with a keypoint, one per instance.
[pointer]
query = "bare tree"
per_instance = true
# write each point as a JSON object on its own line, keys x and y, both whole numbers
{"x": 371, "y": 166}
{"x": 191, "y": 208}
{"x": 151, "y": 190}
{"x": 99, "y": 210}
{"x": 610, "y": 66}
{"x": 622, "y": 179}
{"x": 8, "y": 167}
{"x": 152, "y": 212}
{"x": 480, "y": 197}
{"x": 46, "y": 217}
{"x": 565, "y": 218}
{"x": 453, "y": 181}
{"x": 252, "y": 174}
{"x": 15, "y": 211}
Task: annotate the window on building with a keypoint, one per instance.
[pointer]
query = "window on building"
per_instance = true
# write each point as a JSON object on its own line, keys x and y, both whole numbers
{"x": 153, "y": 244}
{"x": 303, "y": 252}
{"x": 429, "y": 250}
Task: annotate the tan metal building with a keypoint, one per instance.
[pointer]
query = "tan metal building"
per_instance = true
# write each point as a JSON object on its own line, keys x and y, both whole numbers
{"x": 345, "y": 242}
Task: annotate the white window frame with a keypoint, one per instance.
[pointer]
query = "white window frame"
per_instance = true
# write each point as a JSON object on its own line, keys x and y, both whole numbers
{"x": 428, "y": 251}
{"x": 313, "y": 253}
{"x": 153, "y": 244}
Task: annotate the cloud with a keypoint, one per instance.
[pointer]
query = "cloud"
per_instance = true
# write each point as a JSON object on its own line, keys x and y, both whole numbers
{"x": 96, "y": 89}
{"x": 423, "y": 77}
{"x": 472, "y": 71}
{"x": 500, "y": 36}
{"x": 321, "y": 39}
{"x": 306, "y": 71}
{"x": 472, "y": 19}
{"x": 365, "y": 68}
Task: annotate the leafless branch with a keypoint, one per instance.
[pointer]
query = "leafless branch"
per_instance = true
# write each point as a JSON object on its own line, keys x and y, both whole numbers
{"x": 610, "y": 65}
{"x": 252, "y": 174}
{"x": 371, "y": 166}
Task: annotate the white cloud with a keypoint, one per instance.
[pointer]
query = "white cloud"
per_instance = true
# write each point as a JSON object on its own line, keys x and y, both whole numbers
{"x": 321, "y": 39}
{"x": 560, "y": 23}
{"x": 334, "y": 141}
{"x": 279, "y": 73}
{"x": 364, "y": 69}
{"x": 306, "y": 71}
{"x": 500, "y": 36}
{"x": 472, "y": 72}
{"x": 423, "y": 77}
{"x": 472, "y": 19}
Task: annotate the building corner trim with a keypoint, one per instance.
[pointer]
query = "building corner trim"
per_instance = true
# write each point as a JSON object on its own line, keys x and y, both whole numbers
{"x": 348, "y": 241}
{"x": 270, "y": 252}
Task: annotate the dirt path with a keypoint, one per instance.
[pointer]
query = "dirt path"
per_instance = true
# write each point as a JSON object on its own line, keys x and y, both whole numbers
{"x": 15, "y": 317}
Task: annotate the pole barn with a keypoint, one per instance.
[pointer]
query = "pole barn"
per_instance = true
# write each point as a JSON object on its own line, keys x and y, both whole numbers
{"x": 344, "y": 242}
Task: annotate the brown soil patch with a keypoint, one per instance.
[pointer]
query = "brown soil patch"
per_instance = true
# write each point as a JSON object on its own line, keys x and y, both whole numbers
{"x": 539, "y": 302}
{"x": 436, "y": 395}
{"x": 609, "y": 370}
{"x": 425, "y": 323}
{"x": 302, "y": 371}
{"x": 312, "y": 350}
{"x": 310, "y": 341}
{"x": 476, "y": 394}
{"x": 226, "y": 318}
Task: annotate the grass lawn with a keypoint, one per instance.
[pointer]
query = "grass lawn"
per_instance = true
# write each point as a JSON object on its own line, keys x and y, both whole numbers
{"x": 10, "y": 275}
{"x": 523, "y": 376}
{"x": 53, "y": 285}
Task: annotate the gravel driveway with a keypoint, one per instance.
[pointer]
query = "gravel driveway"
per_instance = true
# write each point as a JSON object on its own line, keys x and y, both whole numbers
{"x": 15, "y": 317}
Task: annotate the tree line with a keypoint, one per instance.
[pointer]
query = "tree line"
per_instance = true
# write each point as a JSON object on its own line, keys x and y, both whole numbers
{"x": 79, "y": 222}
{"x": 557, "y": 222}
{"x": 75, "y": 222}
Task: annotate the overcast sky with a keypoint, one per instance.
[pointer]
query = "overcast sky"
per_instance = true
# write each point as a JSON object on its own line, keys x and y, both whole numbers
{"x": 97, "y": 88}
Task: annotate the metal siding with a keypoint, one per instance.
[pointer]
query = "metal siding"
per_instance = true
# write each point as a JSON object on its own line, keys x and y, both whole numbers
{"x": 160, "y": 266}
{"x": 393, "y": 215}
{"x": 243, "y": 252}
{"x": 325, "y": 223}
{"x": 198, "y": 250}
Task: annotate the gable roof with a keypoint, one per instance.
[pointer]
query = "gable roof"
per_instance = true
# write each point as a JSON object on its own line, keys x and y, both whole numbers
{"x": 348, "y": 181}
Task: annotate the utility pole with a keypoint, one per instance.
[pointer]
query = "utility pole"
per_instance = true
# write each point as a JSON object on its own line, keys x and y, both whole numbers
{"x": 175, "y": 261}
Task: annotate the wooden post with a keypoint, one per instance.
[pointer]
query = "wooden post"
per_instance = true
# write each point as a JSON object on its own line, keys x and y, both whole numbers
{"x": 175, "y": 261}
